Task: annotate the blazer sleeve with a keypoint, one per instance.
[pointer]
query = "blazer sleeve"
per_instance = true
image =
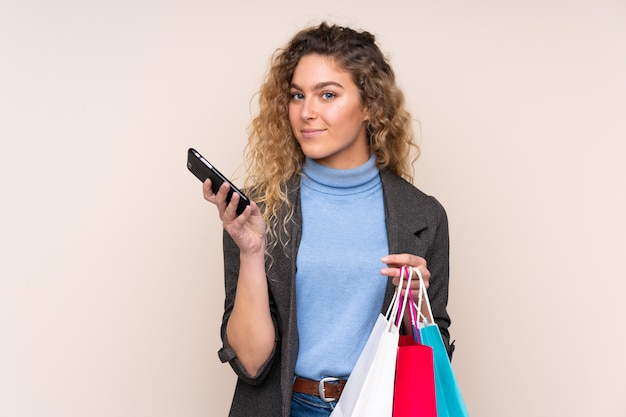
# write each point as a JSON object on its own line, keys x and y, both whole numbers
{"x": 438, "y": 263}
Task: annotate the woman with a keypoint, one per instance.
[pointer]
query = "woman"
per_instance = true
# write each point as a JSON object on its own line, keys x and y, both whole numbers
{"x": 315, "y": 258}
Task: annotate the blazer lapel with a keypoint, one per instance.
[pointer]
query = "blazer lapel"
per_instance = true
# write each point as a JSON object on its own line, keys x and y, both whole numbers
{"x": 404, "y": 222}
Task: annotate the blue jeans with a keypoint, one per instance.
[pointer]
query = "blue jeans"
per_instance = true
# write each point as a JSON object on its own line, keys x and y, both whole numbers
{"x": 305, "y": 405}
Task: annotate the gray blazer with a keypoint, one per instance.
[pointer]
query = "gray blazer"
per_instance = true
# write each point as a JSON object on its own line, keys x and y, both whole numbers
{"x": 416, "y": 223}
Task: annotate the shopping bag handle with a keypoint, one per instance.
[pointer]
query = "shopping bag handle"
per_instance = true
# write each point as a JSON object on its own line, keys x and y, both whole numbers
{"x": 396, "y": 309}
{"x": 424, "y": 296}
{"x": 415, "y": 311}
{"x": 404, "y": 272}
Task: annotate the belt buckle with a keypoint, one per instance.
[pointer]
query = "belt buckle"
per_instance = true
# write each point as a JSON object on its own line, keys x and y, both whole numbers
{"x": 322, "y": 390}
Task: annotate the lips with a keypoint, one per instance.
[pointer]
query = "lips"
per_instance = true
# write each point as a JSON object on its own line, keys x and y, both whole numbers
{"x": 310, "y": 133}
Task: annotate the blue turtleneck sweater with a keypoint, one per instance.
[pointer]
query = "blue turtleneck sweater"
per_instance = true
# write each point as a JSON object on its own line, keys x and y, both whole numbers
{"x": 339, "y": 288}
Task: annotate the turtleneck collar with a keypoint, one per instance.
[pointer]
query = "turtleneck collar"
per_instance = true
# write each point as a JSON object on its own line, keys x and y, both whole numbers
{"x": 340, "y": 181}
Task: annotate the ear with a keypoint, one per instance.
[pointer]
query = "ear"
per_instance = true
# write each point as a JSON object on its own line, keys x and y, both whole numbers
{"x": 366, "y": 113}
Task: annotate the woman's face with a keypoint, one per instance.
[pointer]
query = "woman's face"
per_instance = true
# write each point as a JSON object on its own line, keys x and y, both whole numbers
{"x": 326, "y": 114}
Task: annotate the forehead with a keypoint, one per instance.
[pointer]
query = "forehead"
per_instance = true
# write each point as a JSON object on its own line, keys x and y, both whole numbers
{"x": 317, "y": 68}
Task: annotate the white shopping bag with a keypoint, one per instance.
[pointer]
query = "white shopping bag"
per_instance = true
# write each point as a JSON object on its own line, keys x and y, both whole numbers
{"x": 369, "y": 389}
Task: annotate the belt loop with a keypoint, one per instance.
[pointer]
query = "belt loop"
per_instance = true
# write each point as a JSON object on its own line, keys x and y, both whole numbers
{"x": 322, "y": 389}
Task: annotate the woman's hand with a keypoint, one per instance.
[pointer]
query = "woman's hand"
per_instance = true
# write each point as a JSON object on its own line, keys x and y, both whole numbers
{"x": 395, "y": 262}
{"x": 247, "y": 229}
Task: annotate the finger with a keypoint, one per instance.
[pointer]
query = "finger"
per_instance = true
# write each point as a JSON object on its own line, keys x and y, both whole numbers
{"x": 393, "y": 271}
{"x": 233, "y": 222}
{"x": 415, "y": 284}
{"x": 398, "y": 259}
{"x": 404, "y": 259}
{"x": 231, "y": 208}
{"x": 207, "y": 191}
{"x": 416, "y": 263}
{"x": 397, "y": 274}
{"x": 222, "y": 194}
{"x": 422, "y": 271}
{"x": 227, "y": 209}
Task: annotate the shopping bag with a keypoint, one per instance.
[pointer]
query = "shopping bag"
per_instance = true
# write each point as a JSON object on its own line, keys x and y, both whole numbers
{"x": 450, "y": 401}
{"x": 414, "y": 390}
{"x": 369, "y": 389}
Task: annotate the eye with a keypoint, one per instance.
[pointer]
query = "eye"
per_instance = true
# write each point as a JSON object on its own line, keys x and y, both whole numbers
{"x": 329, "y": 95}
{"x": 296, "y": 96}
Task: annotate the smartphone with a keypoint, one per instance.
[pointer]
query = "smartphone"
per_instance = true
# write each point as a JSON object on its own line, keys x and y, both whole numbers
{"x": 202, "y": 169}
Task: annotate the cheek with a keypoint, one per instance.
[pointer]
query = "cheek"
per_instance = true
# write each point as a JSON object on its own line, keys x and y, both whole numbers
{"x": 336, "y": 114}
{"x": 350, "y": 118}
{"x": 293, "y": 115}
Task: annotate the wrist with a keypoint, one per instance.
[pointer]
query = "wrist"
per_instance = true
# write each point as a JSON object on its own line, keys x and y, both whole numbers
{"x": 253, "y": 253}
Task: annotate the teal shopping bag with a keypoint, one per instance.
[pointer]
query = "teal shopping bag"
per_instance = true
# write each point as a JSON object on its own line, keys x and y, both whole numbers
{"x": 449, "y": 399}
{"x": 450, "y": 402}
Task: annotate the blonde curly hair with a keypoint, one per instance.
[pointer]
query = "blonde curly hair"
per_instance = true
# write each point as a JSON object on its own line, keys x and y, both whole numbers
{"x": 273, "y": 155}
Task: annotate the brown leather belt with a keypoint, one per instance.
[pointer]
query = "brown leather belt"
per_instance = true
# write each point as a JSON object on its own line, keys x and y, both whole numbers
{"x": 328, "y": 389}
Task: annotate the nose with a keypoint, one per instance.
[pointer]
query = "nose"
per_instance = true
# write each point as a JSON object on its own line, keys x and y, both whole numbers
{"x": 308, "y": 110}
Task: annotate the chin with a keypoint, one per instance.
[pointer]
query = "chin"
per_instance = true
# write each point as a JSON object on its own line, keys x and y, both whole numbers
{"x": 313, "y": 154}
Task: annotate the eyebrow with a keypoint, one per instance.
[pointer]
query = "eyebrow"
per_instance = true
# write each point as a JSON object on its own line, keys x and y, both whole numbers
{"x": 319, "y": 85}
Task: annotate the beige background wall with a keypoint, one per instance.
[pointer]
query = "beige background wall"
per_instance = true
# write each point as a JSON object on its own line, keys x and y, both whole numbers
{"x": 110, "y": 271}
